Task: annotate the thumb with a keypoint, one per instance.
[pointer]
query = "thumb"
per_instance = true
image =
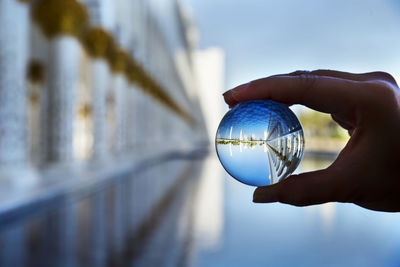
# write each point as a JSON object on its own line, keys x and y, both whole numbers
{"x": 305, "y": 189}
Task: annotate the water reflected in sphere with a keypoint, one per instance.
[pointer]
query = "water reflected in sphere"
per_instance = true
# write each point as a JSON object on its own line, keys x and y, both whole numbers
{"x": 260, "y": 142}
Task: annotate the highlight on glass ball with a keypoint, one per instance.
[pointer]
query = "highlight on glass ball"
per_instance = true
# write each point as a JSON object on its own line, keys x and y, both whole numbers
{"x": 260, "y": 142}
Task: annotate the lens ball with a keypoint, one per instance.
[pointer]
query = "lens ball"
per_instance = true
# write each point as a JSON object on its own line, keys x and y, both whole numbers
{"x": 260, "y": 142}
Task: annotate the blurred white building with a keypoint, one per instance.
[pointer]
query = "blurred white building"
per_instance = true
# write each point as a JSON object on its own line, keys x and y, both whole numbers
{"x": 210, "y": 70}
{"x": 92, "y": 93}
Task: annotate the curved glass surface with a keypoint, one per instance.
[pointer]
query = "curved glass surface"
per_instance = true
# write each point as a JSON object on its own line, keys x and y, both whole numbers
{"x": 260, "y": 142}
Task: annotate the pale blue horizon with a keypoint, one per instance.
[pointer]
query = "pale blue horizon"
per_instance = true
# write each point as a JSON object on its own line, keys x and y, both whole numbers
{"x": 262, "y": 38}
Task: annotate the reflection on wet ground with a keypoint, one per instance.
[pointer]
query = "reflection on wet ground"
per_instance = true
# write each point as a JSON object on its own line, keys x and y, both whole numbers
{"x": 189, "y": 212}
{"x": 211, "y": 221}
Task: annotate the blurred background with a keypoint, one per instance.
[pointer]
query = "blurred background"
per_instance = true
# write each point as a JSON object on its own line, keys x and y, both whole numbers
{"x": 108, "y": 114}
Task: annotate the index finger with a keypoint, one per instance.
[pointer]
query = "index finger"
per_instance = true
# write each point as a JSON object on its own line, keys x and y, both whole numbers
{"x": 322, "y": 93}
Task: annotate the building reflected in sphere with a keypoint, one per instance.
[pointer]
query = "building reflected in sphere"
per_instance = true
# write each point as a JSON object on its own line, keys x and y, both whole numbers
{"x": 260, "y": 142}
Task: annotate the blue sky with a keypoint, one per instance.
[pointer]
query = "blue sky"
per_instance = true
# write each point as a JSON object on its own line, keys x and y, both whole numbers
{"x": 264, "y": 37}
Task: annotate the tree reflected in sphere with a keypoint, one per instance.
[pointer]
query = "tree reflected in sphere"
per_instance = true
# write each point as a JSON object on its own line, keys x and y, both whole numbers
{"x": 260, "y": 142}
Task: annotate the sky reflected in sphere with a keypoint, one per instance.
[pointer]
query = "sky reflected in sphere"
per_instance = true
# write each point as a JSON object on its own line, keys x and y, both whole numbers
{"x": 260, "y": 142}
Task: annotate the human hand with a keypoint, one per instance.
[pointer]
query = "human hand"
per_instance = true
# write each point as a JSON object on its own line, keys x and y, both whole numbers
{"x": 366, "y": 172}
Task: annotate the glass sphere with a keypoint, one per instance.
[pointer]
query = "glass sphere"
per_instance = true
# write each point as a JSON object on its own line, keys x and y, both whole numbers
{"x": 260, "y": 142}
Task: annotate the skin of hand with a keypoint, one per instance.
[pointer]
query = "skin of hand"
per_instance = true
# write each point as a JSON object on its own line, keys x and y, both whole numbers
{"x": 367, "y": 170}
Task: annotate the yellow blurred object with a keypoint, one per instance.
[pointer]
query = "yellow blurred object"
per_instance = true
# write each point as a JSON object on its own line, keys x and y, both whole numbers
{"x": 118, "y": 59}
{"x": 36, "y": 72}
{"x": 85, "y": 110}
{"x": 98, "y": 42}
{"x": 59, "y": 17}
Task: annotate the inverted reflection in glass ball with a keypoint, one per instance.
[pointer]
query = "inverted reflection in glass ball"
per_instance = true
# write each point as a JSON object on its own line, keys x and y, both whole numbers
{"x": 260, "y": 142}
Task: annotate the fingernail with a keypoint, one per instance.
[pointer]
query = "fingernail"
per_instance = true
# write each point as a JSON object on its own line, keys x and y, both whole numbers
{"x": 236, "y": 89}
{"x": 230, "y": 96}
{"x": 227, "y": 95}
{"x": 240, "y": 87}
